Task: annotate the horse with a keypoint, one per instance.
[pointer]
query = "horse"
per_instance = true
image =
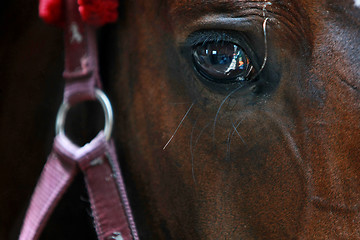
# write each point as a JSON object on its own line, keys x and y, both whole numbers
{"x": 234, "y": 119}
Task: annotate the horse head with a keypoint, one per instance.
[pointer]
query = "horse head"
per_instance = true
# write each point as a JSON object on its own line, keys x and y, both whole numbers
{"x": 240, "y": 119}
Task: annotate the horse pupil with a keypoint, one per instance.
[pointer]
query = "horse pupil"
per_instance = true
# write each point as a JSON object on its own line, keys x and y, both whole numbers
{"x": 222, "y": 62}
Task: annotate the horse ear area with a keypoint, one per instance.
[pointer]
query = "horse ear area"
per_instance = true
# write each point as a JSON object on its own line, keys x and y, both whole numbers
{"x": 93, "y": 12}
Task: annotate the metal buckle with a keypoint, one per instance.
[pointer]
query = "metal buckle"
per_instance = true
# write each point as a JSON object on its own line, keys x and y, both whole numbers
{"x": 105, "y": 104}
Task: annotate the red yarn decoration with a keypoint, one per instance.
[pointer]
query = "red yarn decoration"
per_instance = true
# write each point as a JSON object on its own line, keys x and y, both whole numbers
{"x": 52, "y": 11}
{"x": 98, "y": 12}
{"x": 93, "y": 12}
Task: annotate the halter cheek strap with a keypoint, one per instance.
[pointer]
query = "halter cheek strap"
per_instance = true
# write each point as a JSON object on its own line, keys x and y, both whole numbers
{"x": 96, "y": 160}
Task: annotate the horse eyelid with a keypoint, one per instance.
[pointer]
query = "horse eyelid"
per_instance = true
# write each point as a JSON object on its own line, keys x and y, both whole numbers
{"x": 205, "y": 36}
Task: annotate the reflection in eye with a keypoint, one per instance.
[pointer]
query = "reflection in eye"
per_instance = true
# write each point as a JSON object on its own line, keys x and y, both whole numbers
{"x": 222, "y": 62}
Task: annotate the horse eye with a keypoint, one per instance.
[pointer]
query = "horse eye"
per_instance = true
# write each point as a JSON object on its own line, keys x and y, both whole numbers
{"x": 222, "y": 62}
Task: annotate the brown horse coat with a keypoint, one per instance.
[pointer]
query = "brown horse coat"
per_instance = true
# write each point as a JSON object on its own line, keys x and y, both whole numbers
{"x": 276, "y": 159}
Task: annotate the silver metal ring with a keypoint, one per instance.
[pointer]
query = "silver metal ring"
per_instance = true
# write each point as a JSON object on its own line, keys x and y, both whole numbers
{"x": 105, "y": 104}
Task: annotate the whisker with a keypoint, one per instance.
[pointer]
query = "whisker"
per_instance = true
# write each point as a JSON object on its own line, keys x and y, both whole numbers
{"x": 235, "y": 129}
{"x": 191, "y": 150}
{"x": 178, "y": 103}
{"x": 266, "y": 50}
{"x": 265, "y": 36}
{"x": 228, "y": 145}
{"x": 231, "y": 134}
{"x": 304, "y": 166}
{"x": 265, "y": 44}
{"x": 182, "y": 120}
{"x": 222, "y": 103}
{"x": 256, "y": 75}
{"x": 194, "y": 146}
{"x": 201, "y": 132}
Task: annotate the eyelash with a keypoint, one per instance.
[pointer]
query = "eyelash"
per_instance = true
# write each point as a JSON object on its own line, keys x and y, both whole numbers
{"x": 202, "y": 38}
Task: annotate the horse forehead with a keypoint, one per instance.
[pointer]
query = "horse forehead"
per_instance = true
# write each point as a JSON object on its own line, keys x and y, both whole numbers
{"x": 180, "y": 7}
{"x": 187, "y": 6}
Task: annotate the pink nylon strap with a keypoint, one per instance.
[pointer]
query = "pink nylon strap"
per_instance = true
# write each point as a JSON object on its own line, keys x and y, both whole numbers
{"x": 97, "y": 160}
{"x": 55, "y": 179}
{"x": 81, "y": 67}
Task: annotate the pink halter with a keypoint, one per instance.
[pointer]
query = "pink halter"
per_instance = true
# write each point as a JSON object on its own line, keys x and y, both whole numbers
{"x": 96, "y": 160}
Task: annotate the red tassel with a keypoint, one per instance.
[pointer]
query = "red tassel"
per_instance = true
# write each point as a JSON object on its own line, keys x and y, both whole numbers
{"x": 98, "y": 12}
{"x": 52, "y": 11}
{"x": 93, "y": 12}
